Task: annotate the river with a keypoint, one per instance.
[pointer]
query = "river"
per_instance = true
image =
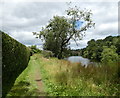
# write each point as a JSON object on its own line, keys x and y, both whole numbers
{"x": 77, "y": 59}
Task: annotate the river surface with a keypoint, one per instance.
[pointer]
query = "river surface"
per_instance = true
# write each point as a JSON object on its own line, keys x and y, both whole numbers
{"x": 77, "y": 59}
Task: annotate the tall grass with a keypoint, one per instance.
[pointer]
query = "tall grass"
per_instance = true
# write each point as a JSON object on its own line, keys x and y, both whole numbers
{"x": 63, "y": 78}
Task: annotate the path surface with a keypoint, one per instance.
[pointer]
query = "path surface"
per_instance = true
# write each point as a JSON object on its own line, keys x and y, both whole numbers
{"x": 38, "y": 79}
{"x": 29, "y": 83}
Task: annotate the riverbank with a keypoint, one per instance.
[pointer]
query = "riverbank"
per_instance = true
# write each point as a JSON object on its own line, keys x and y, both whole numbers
{"x": 62, "y": 78}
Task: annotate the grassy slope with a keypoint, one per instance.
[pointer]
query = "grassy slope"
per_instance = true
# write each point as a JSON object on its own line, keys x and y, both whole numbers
{"x": 61, "y": 78}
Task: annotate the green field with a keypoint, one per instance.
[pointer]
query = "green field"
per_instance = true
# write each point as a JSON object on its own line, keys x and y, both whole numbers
{"x": 53, "y": 77}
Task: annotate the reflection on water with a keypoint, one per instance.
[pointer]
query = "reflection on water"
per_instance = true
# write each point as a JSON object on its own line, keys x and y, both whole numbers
{"x": 75, "y": 59}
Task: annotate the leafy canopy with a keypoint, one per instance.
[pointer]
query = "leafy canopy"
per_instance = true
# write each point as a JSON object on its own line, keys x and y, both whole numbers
{"x": 60, "y": 30}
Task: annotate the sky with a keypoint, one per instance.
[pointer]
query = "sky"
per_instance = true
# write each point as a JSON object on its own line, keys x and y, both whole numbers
{"x": 19, "y": 18}
{"x": 78, "y": 24}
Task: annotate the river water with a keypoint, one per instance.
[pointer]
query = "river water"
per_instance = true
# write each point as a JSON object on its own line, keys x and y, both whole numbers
{"x": 77, "y": 59}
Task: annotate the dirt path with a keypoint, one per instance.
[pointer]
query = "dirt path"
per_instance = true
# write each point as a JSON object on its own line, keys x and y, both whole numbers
{"x": 39, "y": 82}
{"x": 38, "y": 79}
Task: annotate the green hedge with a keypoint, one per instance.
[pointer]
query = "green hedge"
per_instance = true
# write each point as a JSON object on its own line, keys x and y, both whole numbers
{"x": 15, "y": 57}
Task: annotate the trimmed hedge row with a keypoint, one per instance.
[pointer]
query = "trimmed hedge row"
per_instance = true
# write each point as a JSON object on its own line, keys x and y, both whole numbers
{"x": 15, "y": 57}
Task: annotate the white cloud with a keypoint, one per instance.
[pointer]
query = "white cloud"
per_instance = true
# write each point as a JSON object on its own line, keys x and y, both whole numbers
{"x": 108, "y": 26}
{"x": 60, "y": 1}
{"x": 21, "y": 18}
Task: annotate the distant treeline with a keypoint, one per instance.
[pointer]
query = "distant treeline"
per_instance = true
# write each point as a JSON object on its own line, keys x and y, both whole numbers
{"x": 15, "y": 57}
{"x": 103, "y": 50}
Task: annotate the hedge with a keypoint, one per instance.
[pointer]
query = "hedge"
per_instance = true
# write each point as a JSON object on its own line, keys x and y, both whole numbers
{"x": 15, "y": 58}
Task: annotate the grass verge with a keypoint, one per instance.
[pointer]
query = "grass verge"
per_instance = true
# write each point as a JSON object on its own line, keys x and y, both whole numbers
{"x": 63, "y": 78}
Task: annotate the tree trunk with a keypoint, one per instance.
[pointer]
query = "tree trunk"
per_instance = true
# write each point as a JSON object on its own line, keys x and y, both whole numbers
{"x": 61, "y": 51}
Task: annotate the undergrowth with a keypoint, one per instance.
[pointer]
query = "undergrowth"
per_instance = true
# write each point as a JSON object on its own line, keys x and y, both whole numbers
{"x": 63, "y": 78}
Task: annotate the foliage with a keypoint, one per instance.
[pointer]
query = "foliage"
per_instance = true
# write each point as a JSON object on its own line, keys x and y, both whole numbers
{"x": 60, "y": 30}
{"x": 109, "y": 55}
{"x": 97, "y": 48}
{"x": 55, "y": 35}
{"x": 70, "y": 80}
{"x": 34, "y": 49}
{"x": 63, "y": 78}
{"x": 15, "y": 59}
{"x": 47, "y": 54}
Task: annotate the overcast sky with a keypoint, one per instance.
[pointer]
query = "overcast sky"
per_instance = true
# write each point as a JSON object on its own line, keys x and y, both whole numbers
{"x": 20, "y": 19}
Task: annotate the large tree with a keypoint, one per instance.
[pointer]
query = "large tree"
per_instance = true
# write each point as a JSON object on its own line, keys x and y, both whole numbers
{"x": 60, "y": 30}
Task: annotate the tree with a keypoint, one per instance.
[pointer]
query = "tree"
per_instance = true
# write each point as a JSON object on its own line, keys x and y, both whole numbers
{"x": 55, "y": 35}
{"x": 34, "y": 49}
{"x": 118, "y": 45}
{"x": 60, "y": 30}
{"x": 109, "y": 55}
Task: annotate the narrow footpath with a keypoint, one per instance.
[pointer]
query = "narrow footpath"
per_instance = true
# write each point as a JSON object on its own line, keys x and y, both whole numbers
{"x": 29, "y": 82}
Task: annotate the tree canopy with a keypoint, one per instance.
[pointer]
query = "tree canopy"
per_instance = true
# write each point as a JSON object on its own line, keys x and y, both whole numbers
{"x": 60, "y": 30}
{"x": 103, "y": 50}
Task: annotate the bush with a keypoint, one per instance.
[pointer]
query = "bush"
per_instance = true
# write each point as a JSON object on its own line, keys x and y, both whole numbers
{"x": 47, "y": 54}
{"x": 15, "y": 60}
{"x": 34, "y": 49}
{"x": 109, "y": 55}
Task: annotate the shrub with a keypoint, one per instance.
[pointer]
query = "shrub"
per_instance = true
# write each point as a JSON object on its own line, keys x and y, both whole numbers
{"x": 34, "y": 49}
{"x": 47, "y": 54}
{"x": 15, "y": 59}
{"x": 109, "y": 55}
